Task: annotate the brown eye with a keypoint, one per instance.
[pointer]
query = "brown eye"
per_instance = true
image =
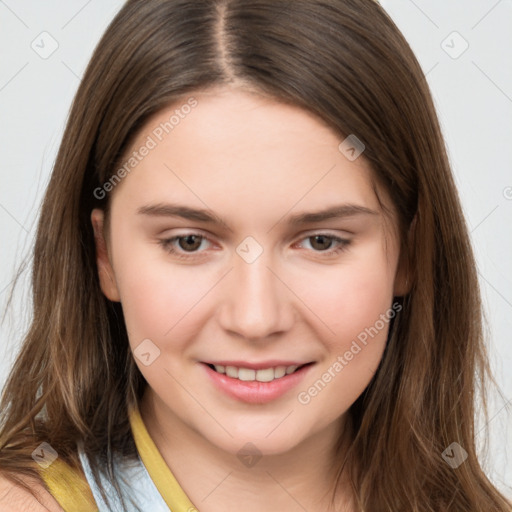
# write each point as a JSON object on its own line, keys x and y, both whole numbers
{"x": 325, "y": 245}
{"x": 190, "y": 242}
{"x": 321, "y": 242}
{"x": 187, "y": 246}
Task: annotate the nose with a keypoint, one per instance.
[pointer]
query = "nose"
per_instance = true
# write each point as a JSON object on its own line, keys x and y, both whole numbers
{"x": 256, "y": 304}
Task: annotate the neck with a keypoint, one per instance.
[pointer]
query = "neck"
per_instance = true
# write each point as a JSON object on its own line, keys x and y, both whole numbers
{"x": 215, "y": 480}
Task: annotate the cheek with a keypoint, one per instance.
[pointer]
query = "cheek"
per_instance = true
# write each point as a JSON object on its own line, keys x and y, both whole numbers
{"x": 354, "y": 301}
{"x": 158, "y": 303}
{"x": 350, "y": 297}
{"x": 157, "y": 298}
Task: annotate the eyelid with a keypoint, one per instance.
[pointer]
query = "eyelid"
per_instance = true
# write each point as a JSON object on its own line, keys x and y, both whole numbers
{"x": 342, "y": 242}
{"x": 326, "y": 232}
{"x": 166, "y": 243}
{"x": 305, "y": 234}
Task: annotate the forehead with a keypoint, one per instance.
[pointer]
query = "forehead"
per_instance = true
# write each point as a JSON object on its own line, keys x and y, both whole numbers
{"x": 243, "y": 153}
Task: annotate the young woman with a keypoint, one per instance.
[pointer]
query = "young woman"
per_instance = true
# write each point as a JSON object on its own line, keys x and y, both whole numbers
{"x": 253, "y": 285}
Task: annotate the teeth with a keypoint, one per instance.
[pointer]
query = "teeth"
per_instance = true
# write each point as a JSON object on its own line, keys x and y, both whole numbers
{"x": 279, "y": 372}
{"x": 290, "y": 369}
{"x": 266, "y": 375}
{"x": 232, "y": 371}
{"x": 248, "y": 375}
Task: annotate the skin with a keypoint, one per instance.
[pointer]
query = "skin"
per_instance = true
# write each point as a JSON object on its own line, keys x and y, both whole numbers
{"x": 14, "y": 498}
{"x": 254, "y": 162}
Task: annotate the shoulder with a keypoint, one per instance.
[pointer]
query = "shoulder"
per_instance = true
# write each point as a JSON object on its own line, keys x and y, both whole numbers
{"x": 14, "y": 498}
{"x": 61, "y": 488}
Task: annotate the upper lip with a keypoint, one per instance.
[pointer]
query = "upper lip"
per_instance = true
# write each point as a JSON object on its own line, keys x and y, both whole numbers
{"x": 258, "y": 366}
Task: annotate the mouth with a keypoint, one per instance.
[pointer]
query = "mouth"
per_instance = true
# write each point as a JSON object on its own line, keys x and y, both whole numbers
{"x": 256, "y": 383}
{"x": 268, "y": 374}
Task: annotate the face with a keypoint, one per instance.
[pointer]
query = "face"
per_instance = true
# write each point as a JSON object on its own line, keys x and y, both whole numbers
{"x": 251, "y": 315}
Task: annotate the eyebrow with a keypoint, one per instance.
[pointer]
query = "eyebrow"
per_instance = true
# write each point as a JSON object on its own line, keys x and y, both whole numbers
{"x": 298, "y": 219}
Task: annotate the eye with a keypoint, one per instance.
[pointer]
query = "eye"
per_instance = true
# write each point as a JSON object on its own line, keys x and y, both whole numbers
{"x": 323, "y": 243}
{"x": 181, "y": 245}
{"x": 188, "y": 245}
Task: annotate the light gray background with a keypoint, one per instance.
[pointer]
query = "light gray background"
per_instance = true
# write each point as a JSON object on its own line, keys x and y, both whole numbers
{"x": 472, "y": 92}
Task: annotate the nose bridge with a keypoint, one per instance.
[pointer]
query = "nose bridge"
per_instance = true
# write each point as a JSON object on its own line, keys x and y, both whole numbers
{"x": 255, "y": 304}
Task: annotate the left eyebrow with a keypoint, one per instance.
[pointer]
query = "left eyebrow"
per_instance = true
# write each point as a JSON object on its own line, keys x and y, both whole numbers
{"x": 335, "y": 212}
{"x": 298, "y": 219}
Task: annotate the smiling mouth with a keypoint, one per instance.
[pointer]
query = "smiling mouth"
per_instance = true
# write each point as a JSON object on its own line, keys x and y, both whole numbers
{"x": 261, "y": 375}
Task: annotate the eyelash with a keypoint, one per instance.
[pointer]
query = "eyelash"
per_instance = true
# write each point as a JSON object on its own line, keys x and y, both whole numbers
{"x": 168, "y": 247}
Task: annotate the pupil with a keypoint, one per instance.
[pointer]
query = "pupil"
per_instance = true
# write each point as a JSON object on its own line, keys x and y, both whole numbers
{"x": 193, "y": 240}
{"x": 322, "y": 239}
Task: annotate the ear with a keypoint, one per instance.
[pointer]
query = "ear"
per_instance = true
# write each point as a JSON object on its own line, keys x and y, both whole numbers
{"x": 105, "y": 271}
{"x": 404, "y": 277}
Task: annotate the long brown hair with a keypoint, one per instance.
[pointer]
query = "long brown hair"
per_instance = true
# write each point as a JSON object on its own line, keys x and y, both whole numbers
{"x": 347, "y": 62}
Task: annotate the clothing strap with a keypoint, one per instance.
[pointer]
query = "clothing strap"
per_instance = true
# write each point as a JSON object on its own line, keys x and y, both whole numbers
{"x": 138, "y": 490}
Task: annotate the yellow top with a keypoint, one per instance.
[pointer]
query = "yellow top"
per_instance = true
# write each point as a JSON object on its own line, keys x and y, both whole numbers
{"x": 70, "y": 488}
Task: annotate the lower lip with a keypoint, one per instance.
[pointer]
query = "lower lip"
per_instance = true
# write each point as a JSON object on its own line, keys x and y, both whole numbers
{"x": 255, "y": 392}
